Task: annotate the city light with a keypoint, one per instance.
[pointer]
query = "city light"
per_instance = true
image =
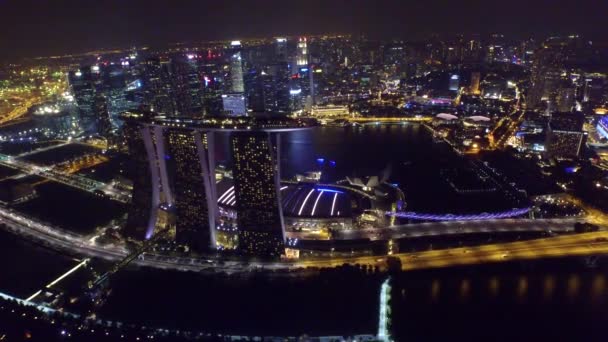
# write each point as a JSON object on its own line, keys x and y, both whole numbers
{"x": 258, "y": 172}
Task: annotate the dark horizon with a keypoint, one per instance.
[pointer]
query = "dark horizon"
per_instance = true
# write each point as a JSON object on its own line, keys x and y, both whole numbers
{"x": 33, "y": 28}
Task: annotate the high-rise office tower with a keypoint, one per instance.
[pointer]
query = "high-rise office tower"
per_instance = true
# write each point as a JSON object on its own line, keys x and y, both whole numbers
{"x": 256, "y": 182}
{"x": 594, "y": 89}
{"x": 564, "y": 98}
{"x": 271, "y": 89}
{"x": 114, "y": 87}
{"x": 158, "y": 90}
{"x": 233, "y": 100}
{"x": 100, "y": 110}
{"x": 281, "y": 50}
{"x": 187, "y": 86}
{"x": 193, "y": 187}
{"x": 302, "y": 53}
{"x": 173, "y": 86}
{"x": 236, "y": 68}
{"x": 83, "y": 87}
{"x": 213, "y": 85}
{"x": 475, "y": 81}
{"x": 454, "y": 82}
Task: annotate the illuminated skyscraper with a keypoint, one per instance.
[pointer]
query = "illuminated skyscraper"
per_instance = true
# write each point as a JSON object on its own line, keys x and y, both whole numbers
{"x": 236, "y": 68}
{"x": 173, "y": 86}
{"x": 83, "y": 86}
{"x": 173, "y": 170}
{"x": 281, "y": 50}
{"x": 565, "y": 136}
{"x": 475, "y": 80}
{"x": 565, "y": 97}
{"x": 158, "y": 92}
{"x": 256, "y": 181}
{"x": 302, "y": 53}
{"x": 454, "y": 82}
{"x": 193, "y": 187}
{"x": 100, "y": 110}
{"x": 187, "y": 86}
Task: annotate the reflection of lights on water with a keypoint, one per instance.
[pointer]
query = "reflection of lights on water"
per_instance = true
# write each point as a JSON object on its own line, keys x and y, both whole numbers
{"x": 465, "y": 288}
{"x": 494, "y": 286}
{"x": 549, "y": 286}
{"x": 598, "y": 285}
{"x": 435, "y": 289}
{"x": 574, "y": 283}
{"x": 522, "y": 286}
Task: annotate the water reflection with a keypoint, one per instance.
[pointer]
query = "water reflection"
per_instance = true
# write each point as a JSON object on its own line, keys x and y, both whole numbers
{"x": 435, "y": 290}
{"x": 598, "y": 285}
{"x": 494, "y": 286}
{"x": 465, "y": 288}
{"x": 574, "y": 283}
{"x": 556, "y": 300}
{"x": 549, "y": 286}
{"x": 522, "y": 287}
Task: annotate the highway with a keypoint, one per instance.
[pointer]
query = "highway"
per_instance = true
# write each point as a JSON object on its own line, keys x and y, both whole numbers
{"x": 561, "y": 246}
{"x": 73, "y": 180}
{"x": 579, "y": 244}
{"x": 20, "y": 110}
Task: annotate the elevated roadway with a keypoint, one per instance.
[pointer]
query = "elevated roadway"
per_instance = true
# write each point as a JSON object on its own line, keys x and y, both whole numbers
{"x": 561, "y": 246}
{"x": 460, "y": 227}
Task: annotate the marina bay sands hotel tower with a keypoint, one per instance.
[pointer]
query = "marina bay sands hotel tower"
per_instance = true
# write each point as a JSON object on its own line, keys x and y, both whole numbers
{"x": 173, "y": 171}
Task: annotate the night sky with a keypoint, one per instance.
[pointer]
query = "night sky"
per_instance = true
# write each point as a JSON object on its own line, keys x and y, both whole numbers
{"x": 45, "y": 27}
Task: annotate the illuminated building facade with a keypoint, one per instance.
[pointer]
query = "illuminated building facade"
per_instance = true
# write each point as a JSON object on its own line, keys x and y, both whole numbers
{"x": 565, "y": 136}
{"x": 234, "y": 104}
{"x": 454, "y": 82}
{"x": 173, "y": 169}
{"x": 83, "y": 87}
{"x": 236, "y": 69}
{"x": 302, "y": 56}
{"x": 256, "y": 184}
{"x": 158, "y": 92}
{"x": 281, "y": 49}
{"x": 475, "y": 81}
{"x": 192, "y": 187}
{"x": 100, "y": 110}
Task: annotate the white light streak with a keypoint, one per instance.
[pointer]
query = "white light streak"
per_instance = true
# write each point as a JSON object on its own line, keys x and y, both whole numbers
{"x": 304, "y": 203}
{"x": 314, "y": 208}
{"x": 333, "y": 204}
{"x": 226, "y": 193}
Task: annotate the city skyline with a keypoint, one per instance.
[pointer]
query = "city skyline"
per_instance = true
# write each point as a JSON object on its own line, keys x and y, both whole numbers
{"x": 343, "y": 170}
{"x": 64, "y": 27}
